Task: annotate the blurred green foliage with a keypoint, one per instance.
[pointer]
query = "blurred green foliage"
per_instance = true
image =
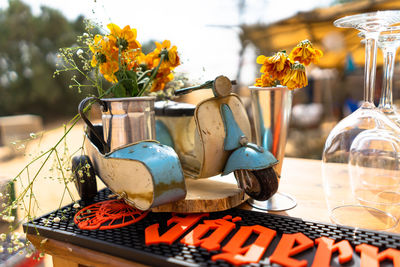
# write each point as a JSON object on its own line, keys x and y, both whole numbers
{"x": 28, "y": 58}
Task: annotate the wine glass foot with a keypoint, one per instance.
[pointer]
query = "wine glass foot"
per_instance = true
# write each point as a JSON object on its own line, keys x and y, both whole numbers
{"x": 360, "y": 216}
{"x": 278, "y": 202}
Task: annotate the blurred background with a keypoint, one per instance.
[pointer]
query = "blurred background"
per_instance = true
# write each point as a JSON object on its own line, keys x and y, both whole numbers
{"x": 213, "y": 38}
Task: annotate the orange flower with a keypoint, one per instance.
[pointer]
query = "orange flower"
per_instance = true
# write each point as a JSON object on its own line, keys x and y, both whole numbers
{"x": 296, "y": 77}
{"x": 108, "y": 70}
{"x": 277, "y": 66}
{"x": 124, "y": 39}
{"x": 265, "y": 81}
{"x": 162, "y": 78}
{"x": 305, "y": 53}
{"x": 130, "y": 59}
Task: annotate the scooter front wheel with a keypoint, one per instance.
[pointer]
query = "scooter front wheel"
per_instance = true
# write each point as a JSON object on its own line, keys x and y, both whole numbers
{"x": 259, "y": 184}
{"x": 85, "y": 178}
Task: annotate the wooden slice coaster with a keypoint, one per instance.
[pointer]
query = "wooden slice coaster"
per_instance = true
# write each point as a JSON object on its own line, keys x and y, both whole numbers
{"x": 207, "y": 195}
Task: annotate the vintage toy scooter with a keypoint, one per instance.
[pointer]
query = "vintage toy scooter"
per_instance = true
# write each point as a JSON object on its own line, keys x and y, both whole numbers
{"x": 145, "y": 174}
{"x": 214, "y": 139}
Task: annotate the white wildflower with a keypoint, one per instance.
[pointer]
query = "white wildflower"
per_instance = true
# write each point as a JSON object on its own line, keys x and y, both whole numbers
{"x": 56, "y": 219}
{"x": 15, "y": 236}
{"x": 76, "y": 206}
{"x": 9, "y": 219}
{"x": 85, "y": 34}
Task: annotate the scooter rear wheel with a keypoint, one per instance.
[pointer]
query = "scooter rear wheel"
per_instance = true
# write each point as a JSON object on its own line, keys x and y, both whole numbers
{"x": 85, "y": 178}
{"x": 259, "y": 184}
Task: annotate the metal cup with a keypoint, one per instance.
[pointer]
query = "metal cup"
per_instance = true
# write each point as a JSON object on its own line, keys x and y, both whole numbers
{"x": 125, "y": 120}
{"x": 271, "y": 116}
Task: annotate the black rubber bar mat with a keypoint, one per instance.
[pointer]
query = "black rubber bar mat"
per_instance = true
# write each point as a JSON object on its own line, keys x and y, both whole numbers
{"x": 129, "y": 242}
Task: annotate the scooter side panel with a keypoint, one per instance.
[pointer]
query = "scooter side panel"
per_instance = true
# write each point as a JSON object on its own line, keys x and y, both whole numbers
{"x": 163, "y": 164}
{"x": 211, "y": 131}
{"x": 143, "y": 181}
{"x": 117, "y": 175}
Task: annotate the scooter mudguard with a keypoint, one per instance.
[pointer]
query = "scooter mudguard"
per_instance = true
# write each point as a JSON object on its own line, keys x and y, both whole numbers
{"x": 145, "y": 174}
{"x": 249, "y": 158}
{"x": 232, "y": 129}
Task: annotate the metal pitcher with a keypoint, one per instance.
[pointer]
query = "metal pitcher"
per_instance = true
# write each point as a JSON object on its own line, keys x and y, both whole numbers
{"x": 125, "y": 120}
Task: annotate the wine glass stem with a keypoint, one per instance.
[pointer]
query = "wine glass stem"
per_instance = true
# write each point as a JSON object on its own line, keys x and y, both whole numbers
{"x": 370, "y": 65}
{"x": 386, "y": 101}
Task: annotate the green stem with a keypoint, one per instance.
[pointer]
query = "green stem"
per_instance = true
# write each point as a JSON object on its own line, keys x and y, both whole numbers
{"x": 143, "y": 75}
{"x": 64, "y": 179}
{"x": 153, "y": 75}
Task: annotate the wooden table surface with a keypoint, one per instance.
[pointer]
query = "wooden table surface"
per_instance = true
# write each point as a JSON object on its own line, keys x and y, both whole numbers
{"x": 301, "y": 178}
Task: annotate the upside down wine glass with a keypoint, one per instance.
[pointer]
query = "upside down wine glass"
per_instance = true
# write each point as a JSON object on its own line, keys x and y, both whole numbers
{"x": 374, "y": 164}
{"x": 343, "y": 206}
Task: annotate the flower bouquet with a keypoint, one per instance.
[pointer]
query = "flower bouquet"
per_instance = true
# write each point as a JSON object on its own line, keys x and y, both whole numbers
{"x": 117, "y": 56}
{"x": 288, "y": 70}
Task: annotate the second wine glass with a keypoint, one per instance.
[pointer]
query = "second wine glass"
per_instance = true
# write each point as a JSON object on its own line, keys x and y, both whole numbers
{"x": 388, "y": 42}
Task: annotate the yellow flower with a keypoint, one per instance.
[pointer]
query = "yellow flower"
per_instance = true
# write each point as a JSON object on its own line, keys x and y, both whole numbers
{"x": 99, "y": 48}
{"x": 104, "y": 57}
{"x": 265, "y": 81}
{"x": 277, "y": 66}
{"x": 305, "y": 53}
{"x": 296, "y": 77}
{"x": 171, "y": 59}
{"x": 146, "y": 61}
{"x": 124, "y": 39}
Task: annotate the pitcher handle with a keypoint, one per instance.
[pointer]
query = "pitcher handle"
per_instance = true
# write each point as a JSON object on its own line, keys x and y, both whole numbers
{"x": 81, "y": 108}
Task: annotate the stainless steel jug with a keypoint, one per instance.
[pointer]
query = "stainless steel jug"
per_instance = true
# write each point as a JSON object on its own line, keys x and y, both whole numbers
{"x": 125, "y": 120}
